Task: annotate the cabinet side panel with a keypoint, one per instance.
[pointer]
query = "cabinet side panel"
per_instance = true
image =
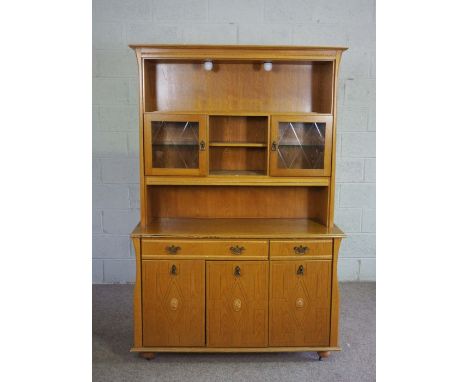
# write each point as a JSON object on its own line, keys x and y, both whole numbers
{"x": 331, "y": 213}
{"x": 318, "y": 206}
{"x": 143, "y": 196}
{"x": 335, "y": 297}
{"x": 322, "y": 87}
{"x": 150, "y": 85}
{"x": 137, "y": 319}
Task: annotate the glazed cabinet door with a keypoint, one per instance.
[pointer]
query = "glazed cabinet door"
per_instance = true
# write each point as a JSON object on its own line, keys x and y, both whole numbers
{"x": 300, "y": 295}
{"x": 173, "y": 302}
{"x": 301, "y": 145}
{"x": 175, "y": 144}
{"x": 237, "y": 300}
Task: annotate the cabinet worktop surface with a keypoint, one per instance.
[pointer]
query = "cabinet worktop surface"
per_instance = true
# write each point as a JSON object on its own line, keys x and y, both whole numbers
{"x": 236, "y": 228}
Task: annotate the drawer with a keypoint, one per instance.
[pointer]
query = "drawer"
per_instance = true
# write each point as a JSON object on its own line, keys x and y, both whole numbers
{"x": 206, "y": 249}
{"x": 298, "y": 249}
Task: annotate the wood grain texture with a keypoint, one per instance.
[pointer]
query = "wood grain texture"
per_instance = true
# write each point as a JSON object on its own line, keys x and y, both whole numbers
{"x": 142, "y": 78}
{"x": 237, "y": 86}
{"x": 331, "y": 202}
{"x": 237, "y": 306}
{"x": 233, "y": 202}
{"x": 318, "y": 210}
{"x": 335, "y": 297}
{"x": 238, "y": 52}
{"x": 238, "y": 196}
{"x": 322, "y": 87}
{"x": 300, "y": 304}
{"x": 236, "y": 181}
{"x": 311, "y": 248}
{"x": 269, "y": 349}
{"x": 206, "y": 249}
{"x": 228, "y": 128}
{"x": 137, "y": 303}
{"x": 238, "y": 159}
{"x": 173, "y": 304}
{"x": 237, "y": 228}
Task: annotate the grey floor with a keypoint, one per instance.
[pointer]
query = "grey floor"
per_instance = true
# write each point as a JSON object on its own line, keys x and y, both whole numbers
{"x": 112, "y": 339}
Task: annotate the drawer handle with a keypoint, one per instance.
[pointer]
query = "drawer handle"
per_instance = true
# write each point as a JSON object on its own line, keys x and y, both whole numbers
{"x": 300, "y": 270}
{"x": 301, "y": 250}
{"x": 172, "y": 249}
{"x": 237, "y": 250}
{"x": 237, "y": 271}
{"x": 173, "y": 270}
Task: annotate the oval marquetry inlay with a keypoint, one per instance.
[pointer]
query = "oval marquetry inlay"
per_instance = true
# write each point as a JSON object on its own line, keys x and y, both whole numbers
{"x": 174, "y": 303}
{"x": 237, "y": 304}
{"x": 300, "y": 303}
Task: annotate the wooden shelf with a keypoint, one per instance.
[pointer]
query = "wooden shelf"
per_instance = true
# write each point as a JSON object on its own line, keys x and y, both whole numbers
{"x": 251, "y": 180}
{"x": 237, "y": 228}
{"x": 238, "y": 113}
{"x": 175, "y": 144}
{"x": 299, "y": 145}
{"x": 237, "y": 144}
{"x": 236, "y": 172}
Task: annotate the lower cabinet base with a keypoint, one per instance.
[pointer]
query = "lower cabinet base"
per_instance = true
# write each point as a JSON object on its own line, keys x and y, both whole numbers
{"x": 323, "y": 351}
{"x": 255, "y": 296}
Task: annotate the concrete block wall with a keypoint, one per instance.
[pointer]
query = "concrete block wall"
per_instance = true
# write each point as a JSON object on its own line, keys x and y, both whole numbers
{"x": 117, "y": 23}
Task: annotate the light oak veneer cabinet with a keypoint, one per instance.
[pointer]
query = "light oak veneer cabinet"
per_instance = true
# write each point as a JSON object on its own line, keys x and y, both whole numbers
{"x": 237, "y": 250}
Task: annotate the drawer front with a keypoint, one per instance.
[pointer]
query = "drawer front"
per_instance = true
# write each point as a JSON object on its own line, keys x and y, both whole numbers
{"x": 206, "y": 249}
{"x": 299, "y": 249}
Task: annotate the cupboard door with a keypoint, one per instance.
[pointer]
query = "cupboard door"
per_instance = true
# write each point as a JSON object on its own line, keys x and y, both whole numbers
{"x": 300, "y": 293}
{"x": 173, "y": 302}
{"x": 175, "y": 144}
{"x": 237, "y": 298}
{"x": 301, "y": 145}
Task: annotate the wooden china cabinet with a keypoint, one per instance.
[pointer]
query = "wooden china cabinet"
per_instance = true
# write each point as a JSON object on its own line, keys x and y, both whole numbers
{"x": 237, "y": 250}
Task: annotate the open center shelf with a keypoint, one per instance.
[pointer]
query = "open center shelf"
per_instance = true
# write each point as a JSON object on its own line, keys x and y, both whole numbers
{"x": 300, "y": 86}
{"x": 238, "y": 145}
{"x": 238, "y": 202}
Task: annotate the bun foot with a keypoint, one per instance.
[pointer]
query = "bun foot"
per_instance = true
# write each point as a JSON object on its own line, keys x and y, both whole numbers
{"x": 147, "y": 355}
{"x": 323, "y": 354}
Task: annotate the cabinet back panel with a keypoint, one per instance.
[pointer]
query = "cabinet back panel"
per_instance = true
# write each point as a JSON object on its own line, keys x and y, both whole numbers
{"x": 238, "y": 202}
{"x": 239, "y": 86}
{"x": 238, "y": 158}
{"x": 238, "y": 129}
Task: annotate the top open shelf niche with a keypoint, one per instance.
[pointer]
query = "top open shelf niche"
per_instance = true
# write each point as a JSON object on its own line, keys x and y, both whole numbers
{"x": 241, "y": 86}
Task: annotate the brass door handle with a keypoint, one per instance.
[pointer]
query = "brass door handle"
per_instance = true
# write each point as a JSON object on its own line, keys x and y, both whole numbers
{"x": 300, "y": 270}
{"x": 173, "y": 270}
{"x": 237, "y": 250}
{"x": 301, "y": 250}
{"x": 274, "y": 145}
{"x": 172, "y": 249}
{"x": 202, "y": 145}
{"x": 237, "y": 271}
